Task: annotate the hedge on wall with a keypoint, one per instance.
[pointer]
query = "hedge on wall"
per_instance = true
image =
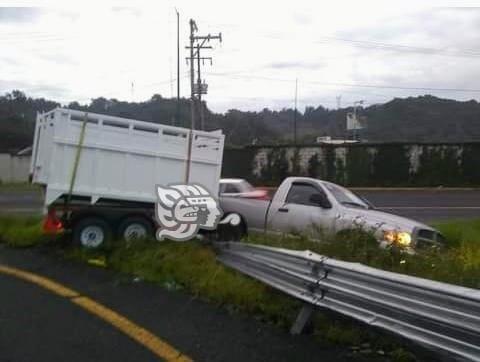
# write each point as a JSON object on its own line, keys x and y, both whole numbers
{"x": 471, "y": 164}
{"x": 358, "y": 166}
{"x": 391, "y": 166}
{"x": 238, "y": 162}
{"x": 276, "y": 168}
{"x": 439, "y": 166}
{"x": 363, "y": 165}
{"x": 314, "y": 166}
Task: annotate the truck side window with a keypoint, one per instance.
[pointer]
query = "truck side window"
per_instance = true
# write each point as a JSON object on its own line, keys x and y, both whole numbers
{"x": 300, "y": 193}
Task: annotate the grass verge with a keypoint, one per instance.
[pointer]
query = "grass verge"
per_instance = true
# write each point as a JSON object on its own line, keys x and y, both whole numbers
{"x": 22, "y": 231}
{"x": 457, "y": 263}
{"x": 193, "y": 267}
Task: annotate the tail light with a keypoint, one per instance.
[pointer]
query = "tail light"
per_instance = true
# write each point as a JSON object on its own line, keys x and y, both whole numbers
{"x": 52, "y": 224}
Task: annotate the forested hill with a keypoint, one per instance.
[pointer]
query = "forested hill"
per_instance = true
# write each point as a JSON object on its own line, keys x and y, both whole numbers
{"x": 425, "y": 119}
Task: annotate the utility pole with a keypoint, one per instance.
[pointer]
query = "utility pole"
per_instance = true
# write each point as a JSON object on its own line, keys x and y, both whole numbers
{"x": 199, "y": 84}
{"x": 200, "y": 87}
{"x": 177, "y": 117}
{"x": 295, "y": 115}
{"x": 193, "y": 29}
{"x": 197, "y": 42}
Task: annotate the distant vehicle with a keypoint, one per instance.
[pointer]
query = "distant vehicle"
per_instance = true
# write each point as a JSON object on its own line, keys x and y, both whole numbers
{"x": 99, "y": 172}
{"x": 237, "y": 187}
{"x": 305, "y": 205}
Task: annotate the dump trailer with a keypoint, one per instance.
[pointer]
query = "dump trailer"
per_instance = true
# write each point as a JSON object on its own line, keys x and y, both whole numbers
{"x": 99, "y": 172}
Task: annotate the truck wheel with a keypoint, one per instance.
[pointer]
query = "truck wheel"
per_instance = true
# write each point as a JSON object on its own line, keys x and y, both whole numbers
{"x": 91, "y": 232}
{"x": 134, "y": 228}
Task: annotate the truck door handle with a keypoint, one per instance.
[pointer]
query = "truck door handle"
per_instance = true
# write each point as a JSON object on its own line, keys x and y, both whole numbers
{"x": 283, "y": 209}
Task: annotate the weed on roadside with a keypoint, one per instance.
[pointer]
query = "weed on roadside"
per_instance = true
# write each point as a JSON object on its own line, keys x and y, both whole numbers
{"x": 192, "y": 266}
{"x": 21, "y": 232}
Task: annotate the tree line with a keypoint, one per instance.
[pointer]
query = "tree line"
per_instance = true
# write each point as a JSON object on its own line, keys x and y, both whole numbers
{"x": 413, "y": 119}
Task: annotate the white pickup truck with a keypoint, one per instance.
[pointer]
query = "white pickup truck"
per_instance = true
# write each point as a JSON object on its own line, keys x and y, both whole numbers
{"x": 305, "y": 205}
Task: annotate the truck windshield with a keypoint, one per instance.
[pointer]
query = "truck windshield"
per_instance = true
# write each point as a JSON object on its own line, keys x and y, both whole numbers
{"x": 345, "y": 197}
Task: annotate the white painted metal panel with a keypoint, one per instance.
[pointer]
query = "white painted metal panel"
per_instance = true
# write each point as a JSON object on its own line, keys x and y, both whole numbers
{"x": 120, "y": 158}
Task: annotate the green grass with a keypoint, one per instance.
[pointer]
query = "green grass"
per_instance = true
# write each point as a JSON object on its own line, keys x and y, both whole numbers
{"x": 200, "y": 274}
{"x": 193, "y": 267}
{"x": 457, "y": 263}
{"x": 22, "y": 231}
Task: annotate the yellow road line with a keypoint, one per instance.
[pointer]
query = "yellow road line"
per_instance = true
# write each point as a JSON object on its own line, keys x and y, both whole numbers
{"x": 40, "y": 281}
{"x": 123, "y": 324}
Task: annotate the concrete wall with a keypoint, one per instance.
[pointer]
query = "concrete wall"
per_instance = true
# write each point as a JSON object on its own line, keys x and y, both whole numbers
{"x": 14, "y": 168}
{"x": 386, "y": 164}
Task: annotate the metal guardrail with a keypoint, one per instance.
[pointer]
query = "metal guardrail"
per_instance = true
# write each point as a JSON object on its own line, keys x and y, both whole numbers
{"x": 437, "y": 314}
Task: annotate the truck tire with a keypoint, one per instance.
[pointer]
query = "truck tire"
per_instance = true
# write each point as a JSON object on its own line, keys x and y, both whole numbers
{"x": 91, "y": 232}
{"x": 134, "y": 228}
{"x": 228, "y": 232}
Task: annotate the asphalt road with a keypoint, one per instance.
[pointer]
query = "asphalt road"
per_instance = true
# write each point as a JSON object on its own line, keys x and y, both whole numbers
{"x": 38, "y": 325}
{"x": 20, "y": 201}
{"x": 426, "y": 205}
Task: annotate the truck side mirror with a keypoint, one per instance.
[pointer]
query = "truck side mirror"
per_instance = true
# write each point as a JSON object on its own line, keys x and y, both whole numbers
{"x": 321, "y": 200}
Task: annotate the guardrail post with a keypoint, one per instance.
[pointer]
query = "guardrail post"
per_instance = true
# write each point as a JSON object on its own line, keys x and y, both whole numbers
{"x": 303, "y": 318}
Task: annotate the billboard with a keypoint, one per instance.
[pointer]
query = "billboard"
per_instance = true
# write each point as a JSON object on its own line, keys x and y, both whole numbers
{"x": 355, "y": 122}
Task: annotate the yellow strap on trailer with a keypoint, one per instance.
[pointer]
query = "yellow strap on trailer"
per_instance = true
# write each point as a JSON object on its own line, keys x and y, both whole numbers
{"x": 77, "y": 160}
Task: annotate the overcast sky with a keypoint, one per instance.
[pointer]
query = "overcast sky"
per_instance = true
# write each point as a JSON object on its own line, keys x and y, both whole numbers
{"x": 356, "y": 50}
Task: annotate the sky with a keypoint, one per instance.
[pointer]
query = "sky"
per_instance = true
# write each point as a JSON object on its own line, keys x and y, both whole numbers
{"x": 339, "y": 54}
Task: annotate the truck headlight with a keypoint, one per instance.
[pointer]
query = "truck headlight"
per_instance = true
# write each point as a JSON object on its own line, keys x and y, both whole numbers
{"x": 402, "y": 238}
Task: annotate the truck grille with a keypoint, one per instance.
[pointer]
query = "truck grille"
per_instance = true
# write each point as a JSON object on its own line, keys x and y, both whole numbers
{"x": 428, "y": 238}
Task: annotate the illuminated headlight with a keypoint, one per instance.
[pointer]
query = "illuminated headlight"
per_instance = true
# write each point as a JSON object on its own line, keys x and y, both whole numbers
{"x": 402, "y": 238}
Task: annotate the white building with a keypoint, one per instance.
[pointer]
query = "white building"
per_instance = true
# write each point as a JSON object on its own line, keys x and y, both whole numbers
{"x": 15, "y": 167}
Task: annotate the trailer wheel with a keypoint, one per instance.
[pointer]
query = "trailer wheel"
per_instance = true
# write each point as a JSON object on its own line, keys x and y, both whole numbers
{"x": 91, "y": 232}
{"x": 134, "y": 228}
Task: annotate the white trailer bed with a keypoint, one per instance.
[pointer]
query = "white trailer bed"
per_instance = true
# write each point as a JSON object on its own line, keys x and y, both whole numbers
{"x": 121, "y": 159}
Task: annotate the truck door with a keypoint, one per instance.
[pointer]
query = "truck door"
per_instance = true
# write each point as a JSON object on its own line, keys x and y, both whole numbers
{"x": 306, "y": 210}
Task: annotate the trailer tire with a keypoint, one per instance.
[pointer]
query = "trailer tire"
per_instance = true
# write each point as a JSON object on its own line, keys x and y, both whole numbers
{"x": 135, "y": 227}
{"x": 91, "y": 232}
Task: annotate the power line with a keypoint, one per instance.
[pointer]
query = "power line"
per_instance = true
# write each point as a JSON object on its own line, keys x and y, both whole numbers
{"x": 404, "y": 48}
{"x": 310, "y": 100}
{"x": 466, "y": 90}
{"x": 392, "y": 47}
{"x": 338, "y": 84}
